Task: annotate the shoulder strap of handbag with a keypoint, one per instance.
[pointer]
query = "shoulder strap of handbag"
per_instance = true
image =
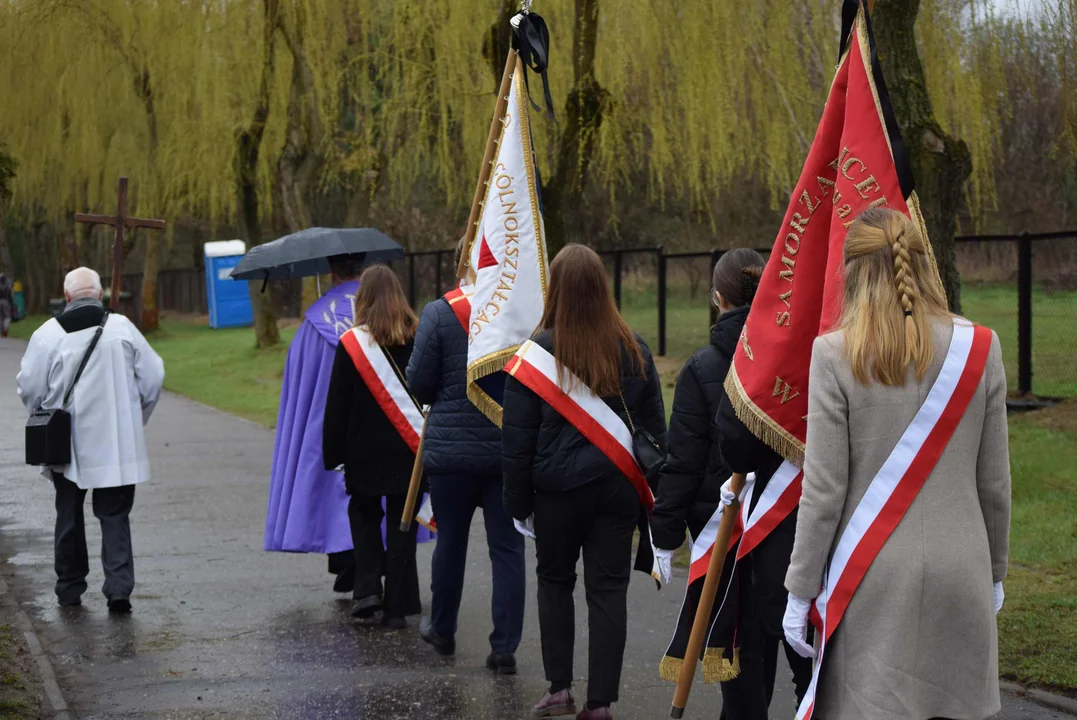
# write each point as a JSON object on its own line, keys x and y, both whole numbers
{"x": 86, "y": 358}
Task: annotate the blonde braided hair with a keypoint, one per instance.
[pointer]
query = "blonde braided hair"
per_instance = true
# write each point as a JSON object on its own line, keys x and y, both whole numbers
{"x": 890, "y": 291}
{"x": 906, "y": 290}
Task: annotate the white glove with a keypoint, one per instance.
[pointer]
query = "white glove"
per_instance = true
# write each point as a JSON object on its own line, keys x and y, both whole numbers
{"x": 665, "y": 564}
{"x": 1000, "y": 596}
{"x": 795, "y": 624}
{"x": 525, "y": 527}
{"x": 727, "y": 490}
{"x": 515, "y": 21}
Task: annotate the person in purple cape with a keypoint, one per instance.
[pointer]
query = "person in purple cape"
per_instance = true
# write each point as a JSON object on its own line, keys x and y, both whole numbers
{"x": 308, "y": 507}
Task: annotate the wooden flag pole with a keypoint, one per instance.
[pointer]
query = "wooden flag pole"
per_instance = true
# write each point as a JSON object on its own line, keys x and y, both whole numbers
{"x": 706, "y": 601}
{"x": 487, "y": 161}
{"x": 461, "y": 269}
{"x": 413, "y": 487}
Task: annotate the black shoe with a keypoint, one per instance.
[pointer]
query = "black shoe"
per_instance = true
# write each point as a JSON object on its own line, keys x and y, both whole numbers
{"x": 443, "y": 645}
{"x": 345, "y": 581}
{"x": 394, "y": 623}
{"x": 365, "y": 608}
{"x": 501, "y": 663}
{"x": 119, "y": 605}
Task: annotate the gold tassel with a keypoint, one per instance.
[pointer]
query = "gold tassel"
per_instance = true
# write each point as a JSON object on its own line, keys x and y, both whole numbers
{"x": 481, "y": 368}
{"x": 717, "y": 669}
{"x": 670, "y": 669}
{"x": 760, "y": 424}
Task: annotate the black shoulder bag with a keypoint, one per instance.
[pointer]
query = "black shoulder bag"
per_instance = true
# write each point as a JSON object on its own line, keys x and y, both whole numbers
{"x": 648, "y": 454}
{"x": 48, "y": 432}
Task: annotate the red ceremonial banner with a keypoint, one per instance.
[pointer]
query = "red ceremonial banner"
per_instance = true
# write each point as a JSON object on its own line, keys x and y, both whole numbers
{"x": 857, "y": 161}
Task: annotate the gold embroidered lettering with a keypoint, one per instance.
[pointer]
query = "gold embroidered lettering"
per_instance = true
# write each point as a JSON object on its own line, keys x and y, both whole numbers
{"x": 782, "y": 388}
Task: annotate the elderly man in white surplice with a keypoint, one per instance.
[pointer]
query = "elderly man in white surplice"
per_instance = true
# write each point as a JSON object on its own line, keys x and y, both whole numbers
{"x": 109, "y": 405}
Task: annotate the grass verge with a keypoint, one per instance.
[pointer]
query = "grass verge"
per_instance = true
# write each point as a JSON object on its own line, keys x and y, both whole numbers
{"x": 21, "y": 695}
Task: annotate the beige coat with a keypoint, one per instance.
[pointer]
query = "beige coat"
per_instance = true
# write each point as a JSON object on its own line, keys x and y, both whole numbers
{"x": 919, "y": 638}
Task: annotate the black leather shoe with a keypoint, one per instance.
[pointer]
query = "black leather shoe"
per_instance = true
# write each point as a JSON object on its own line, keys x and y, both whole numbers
{"x": 119, "y": 605}
{"x": 72, "y": 602}
{"x": 394, "y": 623}
{"x": 365, "y": 608}
{"x": 443, "y": 645}
{"x": 345, "y": 581}
{"x": 501, "y": 663}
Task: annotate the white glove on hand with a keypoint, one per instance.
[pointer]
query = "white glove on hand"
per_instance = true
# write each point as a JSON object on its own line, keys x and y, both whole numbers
{"x": 1000, "y": 596}
{"x": 665, "y": 564}
{"x": 727, "y": 490}
{"x": 795, "y": 624}
{"x": 525, "y": 527}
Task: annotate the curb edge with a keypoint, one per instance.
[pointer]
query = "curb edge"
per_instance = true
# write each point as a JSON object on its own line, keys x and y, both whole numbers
{"x": 1041, "y": 697}
{"x": 53, "y": 693}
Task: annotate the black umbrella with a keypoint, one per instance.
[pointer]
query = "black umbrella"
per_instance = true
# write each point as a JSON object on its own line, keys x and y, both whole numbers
{"x": 307, "y": 252}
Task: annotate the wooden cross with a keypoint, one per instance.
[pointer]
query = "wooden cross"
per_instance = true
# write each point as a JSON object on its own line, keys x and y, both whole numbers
{"x": 119, "y": 221}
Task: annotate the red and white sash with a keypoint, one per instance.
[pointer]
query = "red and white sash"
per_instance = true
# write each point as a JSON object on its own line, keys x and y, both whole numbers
{"x": 896, "y": 485}
{"x": 385, "y": 384}
{"x": 459, "y": 300}
{"x": 536, "y": 368}
{"x": 779, "y": 498}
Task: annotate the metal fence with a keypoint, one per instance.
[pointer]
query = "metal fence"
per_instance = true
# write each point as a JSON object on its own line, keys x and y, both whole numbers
{"x": 1022, "y": 286}
{"x": 1029, "y": 298}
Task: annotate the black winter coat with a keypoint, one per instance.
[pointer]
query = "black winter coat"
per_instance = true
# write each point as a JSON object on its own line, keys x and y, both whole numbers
{"x": 689, "y": 487}
{"x": 544, "y": 452}
{"x": 743, "y": 452}
{"x": 459, "y": 440}
{"x": 357, "y": 434}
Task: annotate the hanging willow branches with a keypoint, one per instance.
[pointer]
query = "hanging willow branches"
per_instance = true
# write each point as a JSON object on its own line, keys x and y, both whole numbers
{"x": 386, "y": 101}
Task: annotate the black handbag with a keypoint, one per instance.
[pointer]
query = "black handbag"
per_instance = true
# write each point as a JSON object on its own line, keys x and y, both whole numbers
{"x": 48, "y": 432}
{"x": 648, "y": 453}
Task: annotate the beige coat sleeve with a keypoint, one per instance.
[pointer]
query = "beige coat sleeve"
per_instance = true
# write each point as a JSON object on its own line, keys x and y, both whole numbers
{"x": 993, "y": 464}
{"x": 826, "y": 473}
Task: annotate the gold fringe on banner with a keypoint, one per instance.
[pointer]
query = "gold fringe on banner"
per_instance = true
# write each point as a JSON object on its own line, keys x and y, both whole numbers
{"x": 670, "y": 668}
{"x": 494, "y": 362}
{"x": 760, "y": 424}
{"x": 717, "y": 669}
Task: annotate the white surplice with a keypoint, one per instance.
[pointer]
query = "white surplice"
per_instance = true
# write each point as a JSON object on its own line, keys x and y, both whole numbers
{"x": 110, "y": 405}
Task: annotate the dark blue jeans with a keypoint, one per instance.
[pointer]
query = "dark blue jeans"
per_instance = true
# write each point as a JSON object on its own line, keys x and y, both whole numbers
{"x": 455, "y": 498}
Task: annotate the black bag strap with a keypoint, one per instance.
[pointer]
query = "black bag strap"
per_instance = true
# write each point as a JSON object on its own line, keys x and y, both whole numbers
{"x": 86, "y": 358}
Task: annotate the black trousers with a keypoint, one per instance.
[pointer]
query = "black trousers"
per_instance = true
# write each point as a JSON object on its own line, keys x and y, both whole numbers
{"x": 395, "y": 560}
{"x": 111, "y": 506}
{"x": 598, "y": 518}
{"x": 748, "y": 696}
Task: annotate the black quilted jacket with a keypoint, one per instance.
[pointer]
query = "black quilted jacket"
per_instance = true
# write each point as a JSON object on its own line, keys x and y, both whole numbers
{"x": 458, "y": 439}
{"x": 692, "y": 477}
{"x": 543, "y": 451}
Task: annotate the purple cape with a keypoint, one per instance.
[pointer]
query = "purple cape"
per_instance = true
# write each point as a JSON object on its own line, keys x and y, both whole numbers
{"x": 308, "y": 508}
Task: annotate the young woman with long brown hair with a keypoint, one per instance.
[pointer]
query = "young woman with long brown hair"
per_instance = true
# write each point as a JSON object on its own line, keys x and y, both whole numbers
{"x": 358, "y": 435}
{"x": 577, "y": 495}
{"x": 918, "y": 638}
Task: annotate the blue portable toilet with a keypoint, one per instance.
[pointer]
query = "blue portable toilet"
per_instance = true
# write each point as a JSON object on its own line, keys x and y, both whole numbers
{"x": 229, "y": 301}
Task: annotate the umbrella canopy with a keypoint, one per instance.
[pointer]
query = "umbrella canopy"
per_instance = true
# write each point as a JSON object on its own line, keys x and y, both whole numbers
{"x": 307, "y": 253}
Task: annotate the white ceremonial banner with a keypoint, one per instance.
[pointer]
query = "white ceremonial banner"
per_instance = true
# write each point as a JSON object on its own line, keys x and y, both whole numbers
{"x": 508, "y": 258}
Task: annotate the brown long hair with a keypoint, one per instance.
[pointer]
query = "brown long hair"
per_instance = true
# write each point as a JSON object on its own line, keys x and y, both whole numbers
{"x": 891, "y": 291}
{"x": 382, "y": 307}
{"x": 587, "y": 330}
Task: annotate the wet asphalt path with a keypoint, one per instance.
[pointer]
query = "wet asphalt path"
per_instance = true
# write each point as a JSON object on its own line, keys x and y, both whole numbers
{"x": 222, "y": 629}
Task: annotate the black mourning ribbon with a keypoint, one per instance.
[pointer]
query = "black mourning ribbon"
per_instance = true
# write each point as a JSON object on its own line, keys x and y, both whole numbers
{"x": 532, "y": 41}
